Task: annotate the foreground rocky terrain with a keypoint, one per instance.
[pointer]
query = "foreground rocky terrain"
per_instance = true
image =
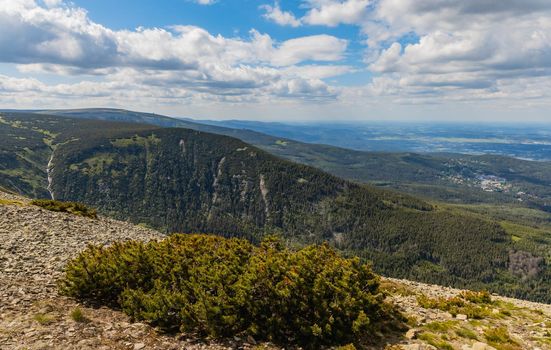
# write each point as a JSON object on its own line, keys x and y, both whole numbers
{"x": 35, "y": 244}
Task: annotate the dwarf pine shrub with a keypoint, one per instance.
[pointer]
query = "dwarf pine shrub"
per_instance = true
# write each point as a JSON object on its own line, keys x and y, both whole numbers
{"x": 476, "y": 305}
{"x": 223, "y": 287}
{"x": 66, "y": 207}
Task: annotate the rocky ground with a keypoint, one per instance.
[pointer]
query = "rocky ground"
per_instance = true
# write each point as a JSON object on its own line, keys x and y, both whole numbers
{"x": 521, "y": 324}
{"x": 35, "y": 244}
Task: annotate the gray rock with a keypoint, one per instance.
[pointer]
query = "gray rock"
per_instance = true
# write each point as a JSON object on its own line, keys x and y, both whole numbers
{"x": 412, "y": 333}
{"x": 482, "y": 346}
{"x": 139, "y": 346}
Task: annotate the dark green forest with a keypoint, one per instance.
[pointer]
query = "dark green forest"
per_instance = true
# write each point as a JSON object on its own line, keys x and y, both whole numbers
{"x": 443, "y": 177}
{"x": 181, "y": 180}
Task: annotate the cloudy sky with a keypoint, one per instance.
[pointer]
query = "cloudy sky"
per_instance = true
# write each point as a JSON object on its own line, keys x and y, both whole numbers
{"x": 284, "y": 60}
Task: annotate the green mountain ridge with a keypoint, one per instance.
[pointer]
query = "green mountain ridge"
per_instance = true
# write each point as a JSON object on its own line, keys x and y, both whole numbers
{"x": 444, "y": 177}
{"x": 180, "y": 180}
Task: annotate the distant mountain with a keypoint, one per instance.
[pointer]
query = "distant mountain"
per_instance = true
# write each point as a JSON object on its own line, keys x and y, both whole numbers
{"x": 180, "y": 180}
{"x": 520, "y": 140}
{"x": 449, "y": 177}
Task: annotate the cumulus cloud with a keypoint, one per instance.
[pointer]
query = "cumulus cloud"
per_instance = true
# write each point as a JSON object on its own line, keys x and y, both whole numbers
{"x": 334, "y": 12}
{"x": 483, "y": 40}
{"x": 30, "y": 34}
{"x": 468, "y": 45}
{"x": 276, "y": 15}
{"x": 205, "y": 2}
{"x": 59, "y": 38}
{"x": 310, "y": 48}
{"x": 415, "y": 52}
{"x": 440, "y": 49}
{"x": 318, "y": 71}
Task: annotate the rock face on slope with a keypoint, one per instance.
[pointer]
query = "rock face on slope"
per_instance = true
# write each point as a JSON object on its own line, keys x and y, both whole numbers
{"x": 35, "y": 244}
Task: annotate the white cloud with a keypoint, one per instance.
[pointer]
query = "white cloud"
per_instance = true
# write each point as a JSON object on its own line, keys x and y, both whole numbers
{"x": 471, "y": 52}
{"x": 52, "y": 3}
{"x": 334, "y": 12}
{"x": 317, "y": 71}
{"x": 463, "y": 46}
{"x": 205, "y": 2}
{"x": 276, "y": 15}
{"x": 461, "y": 50}
{"x": 63, "y": 40}
{"x": 310, "y": 48}
{"x": 30, "y": 34}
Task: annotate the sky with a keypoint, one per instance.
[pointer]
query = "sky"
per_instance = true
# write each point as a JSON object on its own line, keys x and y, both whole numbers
{"x": 301, "y": 60}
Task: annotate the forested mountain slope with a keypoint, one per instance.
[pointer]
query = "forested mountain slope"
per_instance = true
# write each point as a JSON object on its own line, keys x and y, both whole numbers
{"x": 453, "y": 178}
{"x": 180, "y": 180}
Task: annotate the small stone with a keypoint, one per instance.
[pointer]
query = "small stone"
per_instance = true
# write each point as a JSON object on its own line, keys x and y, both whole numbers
{"x": 461, "y": 317}
{"x": 482, "y": 346}
{"x": 139, "y": 346}
{"x": 412, "y": 333}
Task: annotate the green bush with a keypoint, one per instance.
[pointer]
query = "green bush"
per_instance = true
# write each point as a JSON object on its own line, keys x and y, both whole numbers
{"x": 482, "y": 297}
{"x": 66, "y": 207}
{"x": 78, "y": 315}
{"x": 223, "y": 287}
{"x": 497, "y": 336}
{"x": 473, "y": 304}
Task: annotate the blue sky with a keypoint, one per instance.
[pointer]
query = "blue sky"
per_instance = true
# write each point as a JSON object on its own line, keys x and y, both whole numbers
{"x": 230, "y": 18}
{"x": 330, "y": 60}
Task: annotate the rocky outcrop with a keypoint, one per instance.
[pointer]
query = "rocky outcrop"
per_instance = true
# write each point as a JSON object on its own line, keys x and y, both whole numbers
{"x": 527, "y": 324}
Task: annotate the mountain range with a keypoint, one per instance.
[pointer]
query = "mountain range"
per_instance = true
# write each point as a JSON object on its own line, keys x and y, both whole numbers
{"x": 449, "y": 177}
{"x": 176, "y": 179}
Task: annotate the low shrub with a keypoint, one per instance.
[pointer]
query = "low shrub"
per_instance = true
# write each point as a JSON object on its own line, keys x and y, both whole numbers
{"x": 482, "y": 297}
{"x": 473, "y": 304}
{"x": 441, "y": 326}
{"x": 43, "y": 319}
{"x": 498, "y": 336}
{"x": 224, "y": 287}
{"x": 435, "y": 340}
{"x": 11, "y": 202}
{"x": 466, "y": 333}
{"x": 66, "y": 207}
{"x": 78, "y": 315}
{"x": 444, "y": 304}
